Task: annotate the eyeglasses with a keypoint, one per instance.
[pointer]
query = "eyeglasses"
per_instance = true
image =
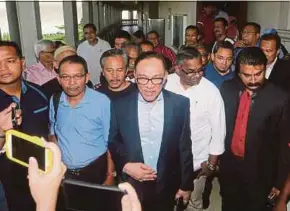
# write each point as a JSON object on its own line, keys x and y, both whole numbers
{"x": 74, "y": 77}
{"x": 195, "y": 72}
{"x": 248, "y": 32}
{"x": 144, "y": 81}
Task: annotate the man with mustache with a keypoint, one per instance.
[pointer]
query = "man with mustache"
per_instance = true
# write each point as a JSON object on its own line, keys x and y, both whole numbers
{"x": 114, "y": 69}
{"x": 256, "y": 158}
{"x": 81, "y": 125}
{"x": 219, "y": 69}
{"x": 207, "y": 118}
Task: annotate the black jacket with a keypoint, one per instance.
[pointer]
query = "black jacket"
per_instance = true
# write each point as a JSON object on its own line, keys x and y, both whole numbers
{"x": 280, "y": 74}
{"x": 267, "y": 153}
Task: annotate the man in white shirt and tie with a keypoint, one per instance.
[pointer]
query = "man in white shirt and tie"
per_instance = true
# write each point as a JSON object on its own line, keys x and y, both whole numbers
{"x": 91, "y": 50}
{"x": 207, "y": 118}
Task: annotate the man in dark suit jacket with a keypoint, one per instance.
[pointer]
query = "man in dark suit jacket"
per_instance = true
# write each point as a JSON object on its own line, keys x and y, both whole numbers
{"x": 256, "y": 158}
{"x": 150, "y": 138}
{"x": 277, "y": 70}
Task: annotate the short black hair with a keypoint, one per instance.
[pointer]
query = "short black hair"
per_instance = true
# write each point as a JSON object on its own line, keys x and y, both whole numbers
{"x": 202, "y": 45}
{"x": 256, "y": 26}
{"x": 90, "y": 25}
{"x": 192, "y": 27}
{"x": 146, "y": 42}
{"x": 223, "y": 20}
{"x": 187, "y": 53}
{"x": 74, "y": 59}
{"x": 150, "y": 55}
{"x": 223, "y": 44}
{"x": 274, "y": 37}
{"x": 113, "y": 53}
{"x": 251, "y": 56}
{"x": 139, "y": 34}
{"x": 4, "y": 43}
{"x": 123, "y": 34}
{"x": 153, "y": 32}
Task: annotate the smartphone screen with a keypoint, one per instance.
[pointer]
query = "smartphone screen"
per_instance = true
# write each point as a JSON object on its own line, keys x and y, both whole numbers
{"x": 22, "y": 150}
{"x": 97, "y": 197}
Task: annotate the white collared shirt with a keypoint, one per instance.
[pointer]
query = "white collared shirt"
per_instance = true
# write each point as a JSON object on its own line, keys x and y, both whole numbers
{"x": 92, "y": 55}
{"x": 207, "y": 118}
{"x": 269, "y": 68}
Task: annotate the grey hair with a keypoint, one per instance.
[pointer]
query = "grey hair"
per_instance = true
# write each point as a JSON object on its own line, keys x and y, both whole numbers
{"x": 187, "y": 53}
{"x": 113, "y": 53}
{"x": 41, "y": 45}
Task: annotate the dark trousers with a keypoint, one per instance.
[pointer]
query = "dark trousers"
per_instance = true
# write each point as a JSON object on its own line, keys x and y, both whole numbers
{"x": 15, "y": 183}
{"x": 73, "y": 196}
{"x": 238, "y": 192}
{"x": 150, "y": 199}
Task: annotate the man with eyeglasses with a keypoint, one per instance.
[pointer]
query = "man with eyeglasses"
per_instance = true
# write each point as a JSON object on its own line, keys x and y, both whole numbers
{"x": 255, "y": 163}
{"x": 250, "y": 35}
{"x": 150, "y": 138}
{"x": 43, "y": 71}
{"x": 220, "y": 69}
{"x": 207, "y": 118}
{"x": 81, "y": 124}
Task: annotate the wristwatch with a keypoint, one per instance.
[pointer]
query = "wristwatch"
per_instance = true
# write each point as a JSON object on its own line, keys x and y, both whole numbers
{"x": 211, "y": 167}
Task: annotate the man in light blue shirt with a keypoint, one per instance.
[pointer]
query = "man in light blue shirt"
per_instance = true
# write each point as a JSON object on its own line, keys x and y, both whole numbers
{"x": 81, "y": 122}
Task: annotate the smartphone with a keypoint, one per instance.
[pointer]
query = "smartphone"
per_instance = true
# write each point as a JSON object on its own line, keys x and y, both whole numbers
{"x": 83, "y": 196}
{"x": 20, "y": 147}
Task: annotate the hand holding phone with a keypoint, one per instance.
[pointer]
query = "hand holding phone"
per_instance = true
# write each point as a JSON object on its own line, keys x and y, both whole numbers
{"x": 44, "y": 187}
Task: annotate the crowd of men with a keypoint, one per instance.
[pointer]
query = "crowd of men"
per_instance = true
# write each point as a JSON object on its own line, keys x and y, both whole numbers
{"x": 166, "y": 123}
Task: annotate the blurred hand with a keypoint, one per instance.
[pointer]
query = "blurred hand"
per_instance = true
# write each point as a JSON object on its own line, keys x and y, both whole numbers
{"x": 6, "y": 117}
{"x": 184, "y": 194}
{"x": 130, "y": 201}
{"x": 140, "y": 171}
{"x": 280, "y": 206}
{"x": 110, "y": 180}
{"x": 205, "y": 171}
{"x": 239, "y": 44}
{"x": 44, "y": 187}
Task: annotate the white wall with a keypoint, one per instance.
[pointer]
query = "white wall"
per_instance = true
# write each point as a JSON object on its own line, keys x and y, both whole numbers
{"x": 264, "y": 13}
{"x": 272, "y": 15}
{"x": 188, "y": 8}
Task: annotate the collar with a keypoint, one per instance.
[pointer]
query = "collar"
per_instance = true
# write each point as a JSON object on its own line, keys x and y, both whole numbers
{"x": 230, "y": 70}
{"x": 270, "y": 66}
{"x": 23, "y": 89}
{"x": 141, "y": 99}
{"x": 41, "y": 66}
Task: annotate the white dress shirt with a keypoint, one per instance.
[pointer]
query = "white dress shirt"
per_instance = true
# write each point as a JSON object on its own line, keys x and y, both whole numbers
{"x": 92, "y": 55}
{"x": 207, "y": 118}
{"x": 269, "y": 68}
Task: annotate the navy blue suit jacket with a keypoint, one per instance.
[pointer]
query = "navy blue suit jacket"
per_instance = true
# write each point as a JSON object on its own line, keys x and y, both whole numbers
{"x": 175, "y": 162}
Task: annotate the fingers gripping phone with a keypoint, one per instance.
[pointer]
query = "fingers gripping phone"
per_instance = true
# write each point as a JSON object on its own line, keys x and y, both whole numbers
{"x": 20, "y": 147}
